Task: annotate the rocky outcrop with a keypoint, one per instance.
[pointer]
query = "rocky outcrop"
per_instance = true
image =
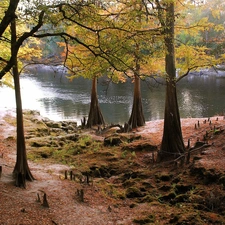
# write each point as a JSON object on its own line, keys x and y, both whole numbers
{"x": 42, "y": 132}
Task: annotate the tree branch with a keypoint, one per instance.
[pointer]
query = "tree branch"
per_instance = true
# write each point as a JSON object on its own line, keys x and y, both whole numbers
{"x": 9, "y": 16}
{"x": 20, "y": 41}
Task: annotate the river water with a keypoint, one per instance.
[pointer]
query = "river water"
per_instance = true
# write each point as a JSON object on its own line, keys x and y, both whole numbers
{"x": 50, "y": 92}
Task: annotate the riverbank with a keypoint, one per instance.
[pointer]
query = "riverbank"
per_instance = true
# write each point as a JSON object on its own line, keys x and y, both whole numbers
{"x": 125, "y": 185}
{"x": 59, "y": 99}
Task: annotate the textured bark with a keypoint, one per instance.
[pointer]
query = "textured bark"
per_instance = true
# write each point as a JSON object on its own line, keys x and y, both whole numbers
{"x": 9, "y": 16}
{"x": 95, "y": 116}
{"x": 21, "y": 170}
{"x": 172, "y": 142}
{"x": 137, "y": 116}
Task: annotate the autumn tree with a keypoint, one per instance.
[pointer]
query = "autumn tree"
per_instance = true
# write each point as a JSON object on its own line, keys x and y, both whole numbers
{"x": 87, "y": 49}
{"x": 95, "y": 116}
{"x": 10, "y": 62}
{"x": 163, "y": 11}
{"x": 81, "y": 57}
{"x": 129, "y": 45}
{"x": 162, "y": 19}
{"x": 111, "y": 36}
{"x": 186, "y": 57}
{"x": 135, "y": 40}
{"x": 21, "y": 169}
{"x": 172, "y": 142}
{"x": 137, "y": 118}
{"x": 101, "y": 41}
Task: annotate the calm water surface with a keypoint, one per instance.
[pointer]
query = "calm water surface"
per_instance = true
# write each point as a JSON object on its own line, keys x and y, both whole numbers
{"x": 56, "y": 97}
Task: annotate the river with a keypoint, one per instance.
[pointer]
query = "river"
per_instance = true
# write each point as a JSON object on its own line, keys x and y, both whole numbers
{"x": 50, "y": 92}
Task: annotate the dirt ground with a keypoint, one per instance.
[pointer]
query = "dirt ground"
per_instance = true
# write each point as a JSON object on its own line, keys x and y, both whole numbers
{"x": 22, "y": 206}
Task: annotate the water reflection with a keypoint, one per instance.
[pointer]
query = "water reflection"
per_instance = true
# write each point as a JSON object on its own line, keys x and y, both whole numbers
{"x": 56, "y": 97}
{"x": 201, "y": 96}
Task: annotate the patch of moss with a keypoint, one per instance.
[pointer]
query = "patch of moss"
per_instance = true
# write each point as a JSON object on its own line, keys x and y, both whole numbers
{"x": 40, "y": 153}
{"x": 128, "y": 183}
{"x": 167, "y": 198}
{"x": 145, "y": 220}
{"x": 10, "y": 120}
{"x": 148, "y": 198}
{"x": 134, "y": 192}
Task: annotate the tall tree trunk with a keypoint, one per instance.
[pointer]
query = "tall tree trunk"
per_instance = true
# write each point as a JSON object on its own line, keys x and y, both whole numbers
{"x": 95, "y": 116}
{"x": 137, "y": 116}
{"x": 21, "y": 170}
{"x": 172, "y": 142}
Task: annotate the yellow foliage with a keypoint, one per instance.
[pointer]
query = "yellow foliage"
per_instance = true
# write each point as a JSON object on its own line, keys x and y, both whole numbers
{"x": 8, "y": 80}
{"x": 191, "y": 57}
{"x": 29, "y": 51}
{"x": 118, "y": 45}
{"x": 154, "y": 66}
{"x": 219, "y": 27}
{"x": 216, "y": 13}
{"x": 222, "y": 58}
